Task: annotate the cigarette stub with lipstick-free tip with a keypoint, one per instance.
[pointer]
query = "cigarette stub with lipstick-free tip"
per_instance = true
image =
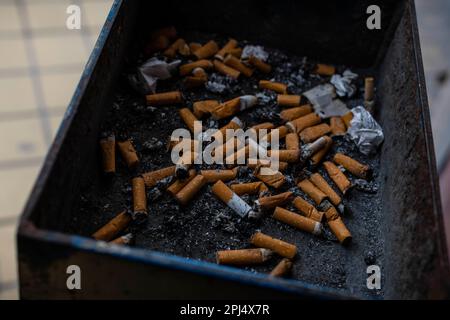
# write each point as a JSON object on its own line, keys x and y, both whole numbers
{"x": 187, "y": 68}
{"x": 289, "y": 156}
{"x": 281, "y": 130}
{"x": 253, "y": 163}
{"x": 320, "y": 154}
{"x": 264, "y": 125}
{"x": 337, "y": 126}
{"x": 336, "y": 224}
{"x": 188, "y": 118}
{"x": 308, "y": 150}
{"x": 179, "y": 184}
{"x": 207, "y": 51}
{"x": 297, "y": 221}
{"x": 194, "y": 82}
{"x": 324, "y": 69}
{"x": 354, "y": 167}
{"x": 292, "y": 141}
{"x": 139, "y": 197}
{"x": 368, "y": 88}
{"x": 194, "y": 46}
{"x": 313, "y": 133}
{"x": 172, "y": 50}
{"x": 249, "y": 188}
{"x": 164, "y": 98}
{"x": 204, "y": 108}
{"x": 300, "y": 124}
{"x": 296, "y": 112}
{"x": 236, "y": 64}
{"x": 288, "y": 100}
{"x": 123, "y": 240}
{"x": 278, "y": 87}
{"x": 243, "y": 257}
{"x": 337, "y": 176}
{"x": 270, "y": 177}
{"x": 233, "y": 106}
{"x": 231, "y": 199}
{"x": 307, "y": 209}
{"x": 190, "y": 190}
{"x": 151, "y": 178}
{"x": 271, "y": 202}
{"x": 231, "y": 44}
{"x": 200, "y": 73}
{"x": 212, "y": 176}
{"x": 259, "y": 64}
{"x": 282, "y": 268}
{"x": 234, "y": 124}
{"x": 128, "y": 153}
{"x": 347, "y": 118}
{"x": 226, "y": 70}
{"x": 110, "y": 230}
{"x": 323, "y": 185}
{"x": 312, "y": 191}
{"x": 108, "y": 151}
{"x": 236, "y": 52}
{"x": 280, "y": 247}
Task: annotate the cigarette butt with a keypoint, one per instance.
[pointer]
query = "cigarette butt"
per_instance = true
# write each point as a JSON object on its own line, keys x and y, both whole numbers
{"x": 171, "y": 51}
{"x": 297, "y": 221}
{"x": 259, "y": 64}
{"x": 282, "y": 132}
{"x": 337, "y": 126}
{"x": 206, "y": 51}
{"x": 200, "y": 73}
{"x": 283, "y": 248}
{"x": 236, "y": 52}
{"x": 282, "y": 268}
{"x": 151, "y": 178}
{"x": 231, "y": 44}
{"x": 190, "y": 190}
{"x": 243, "y": 257}
{"x": 296, "y": 112}
{"x": 249, "y": 188}
{"x": 264, "y": 125}
{"x": 254, "y": 163}
{"x": 337, "y": 176}
{"x": 204, "y": 108}
{"x": 347, "y": 118}
{"x": 123, "y": 240}
{"x": 312, "y": 191}
{"x": 108, "y": 151}
{"x": 292, "y": 141}
{"x": 271, "y": 202}
{"x": 212, "y": 176}
{"x": 289, "y": 156}
{"x": 368, "y": 89}
{"x": 165, "y": 98}
{"x": 274, "y": 178}
{"x": 238, "y": 157}
{"x": 337, "y": 225}
{"x": 313, "y": 133}
{"x": 318, "y": 156}
{"x": 188, "y": 118}
{"x": 110, "y": 230}
{"x": 231, "y": 199}
{"x": 323, "y": 185}
{"x": 128, "y": 153}
{"x": 300, "y": 124}
{"x": 234, "y": 124}
{"x": 226, "y": 70}
{"x": 324, "y": 69}
{"x": 356, "y": 168}
{"x": 194, "y": 46}
{"x": 278, "y": 87}
{"x": 192, "y": 82}
{"x": 307, "y": 209}
{"x": 227, "y": 108}
{"x": 179, "y": 184}
{"x": 139, "y": 197}
{"x": 187, "y": 68}
{"x": 309, "y": 149}
{"x": 288, "y": 100}
{"x": 236, "y": 64}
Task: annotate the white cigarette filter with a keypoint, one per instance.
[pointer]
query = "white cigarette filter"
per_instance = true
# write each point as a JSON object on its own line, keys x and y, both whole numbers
{"x": 232, "y": 200}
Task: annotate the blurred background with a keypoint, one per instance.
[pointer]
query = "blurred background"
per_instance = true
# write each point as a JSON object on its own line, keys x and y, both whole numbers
{"x": 41, "y": 62}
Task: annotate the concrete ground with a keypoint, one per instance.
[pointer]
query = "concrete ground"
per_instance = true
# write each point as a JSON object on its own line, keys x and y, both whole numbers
{"x": 41, "y": 62}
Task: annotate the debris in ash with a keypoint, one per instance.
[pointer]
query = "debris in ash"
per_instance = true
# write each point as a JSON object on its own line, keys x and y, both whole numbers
{"x": 154, "y": 194}
{"x": 298, "y": 78}
{"x": 266, "y": 97}
{"x": 364, "y": 131}
{"x": 220, "y": 84}
{"x": 370, "y": 258}
{"x": 343, "y": 84}
{"x": 320, "y": 95}
{"x": 256, "y": 51}
{"x": 154, "y": 69}
{"x": 365, "y": 186}
{"x": 153, "y": 144}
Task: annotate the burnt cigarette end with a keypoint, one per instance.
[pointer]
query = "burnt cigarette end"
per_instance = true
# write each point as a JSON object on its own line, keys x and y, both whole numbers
{"x": 139, "y": 198}
{"x": 113, "y": 227}
{"x": 165, "y": 98}
{"x": 282, "y": 268}
{"x": 354, "y": 167}
{"x": 108, "y": 152}
{"x": 128, "y": 153}
{"x": 297, "y": 221}
{"x": 280, "y": 247}
{"x": 187, "y": 193}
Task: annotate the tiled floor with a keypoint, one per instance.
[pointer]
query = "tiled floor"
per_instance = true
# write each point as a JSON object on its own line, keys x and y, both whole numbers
{"x": 40, "y": 64}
